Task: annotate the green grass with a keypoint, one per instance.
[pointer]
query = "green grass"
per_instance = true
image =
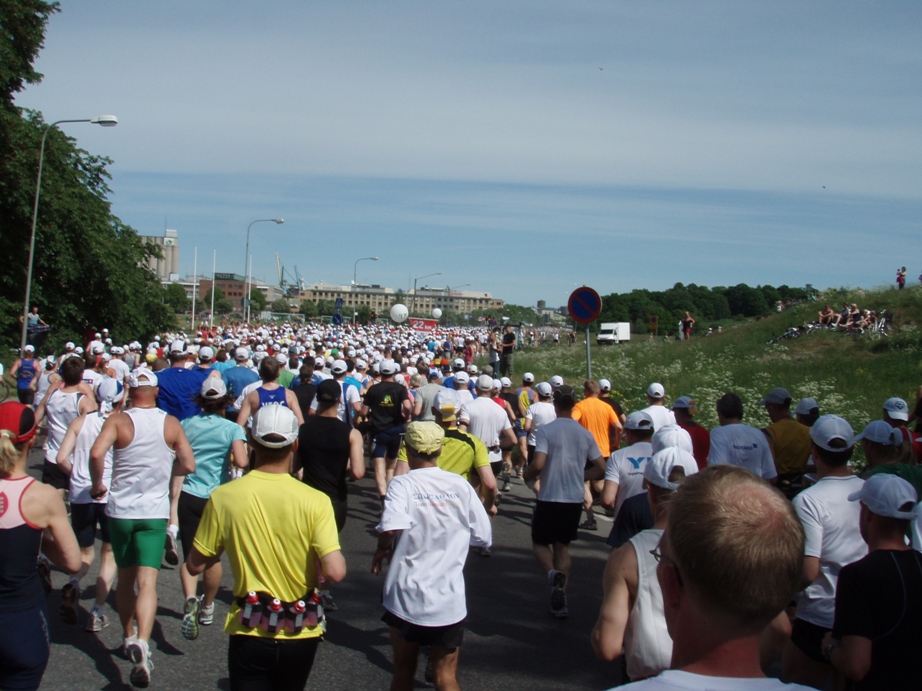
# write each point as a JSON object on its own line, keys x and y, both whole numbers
{"x": 848, "y": 375}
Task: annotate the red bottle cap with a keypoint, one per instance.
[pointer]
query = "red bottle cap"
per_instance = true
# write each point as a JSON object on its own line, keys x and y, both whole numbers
{"x": 300, "y": 607}
{"x": 252, "y": 597}
{"x": 276, "y": 605}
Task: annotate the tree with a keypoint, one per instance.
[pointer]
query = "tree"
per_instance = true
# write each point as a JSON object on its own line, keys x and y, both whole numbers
{"x": 326, "y": 308}
{"x": 258, "y": 301}
{"x": 363, "y": 314}
{"x": 175, "y": 297}
{"x": 308, "y": 309}
{"x": 281, "y": 305}
{"x": 89, "y": 269}
{"x": 221, "y": 304}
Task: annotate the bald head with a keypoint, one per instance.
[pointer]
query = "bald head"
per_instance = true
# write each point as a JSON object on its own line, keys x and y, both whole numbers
{"x": 737, "y": 543}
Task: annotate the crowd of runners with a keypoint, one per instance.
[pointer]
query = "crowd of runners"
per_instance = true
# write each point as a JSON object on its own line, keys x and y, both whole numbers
{"x": 735, "y": 550}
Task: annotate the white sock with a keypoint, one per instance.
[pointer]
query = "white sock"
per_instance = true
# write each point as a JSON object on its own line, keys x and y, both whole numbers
{"x": 173, "y": 530}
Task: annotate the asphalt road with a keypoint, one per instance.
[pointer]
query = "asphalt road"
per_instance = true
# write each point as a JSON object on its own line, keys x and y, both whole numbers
{"x": 512, "y": 642}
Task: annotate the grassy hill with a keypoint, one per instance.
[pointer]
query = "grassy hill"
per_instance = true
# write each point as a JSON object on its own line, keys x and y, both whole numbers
{"x": 848, "y": 375}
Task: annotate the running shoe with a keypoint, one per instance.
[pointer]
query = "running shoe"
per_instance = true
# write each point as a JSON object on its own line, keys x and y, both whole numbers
{"x": 139, "y": 654}
{"x": 170, "y": 552}
{"x": 589, "y": 524}
{"x": 44, "y": 572}
{"x": 328, "y": 604}
{"x": 558, "y": 598}
{"x": 70, "y": 593}
{"x": 97, "y": 622}
{"x": 561, "y": 612}
{"x": 206, "y": 615}
{"x": 190, "y": 621}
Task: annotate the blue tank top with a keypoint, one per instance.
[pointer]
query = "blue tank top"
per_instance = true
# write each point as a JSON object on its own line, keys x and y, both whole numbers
{"x": 273, "y": 397}
{"x": 20, "y": 545}
{"x": 25, "y": 373}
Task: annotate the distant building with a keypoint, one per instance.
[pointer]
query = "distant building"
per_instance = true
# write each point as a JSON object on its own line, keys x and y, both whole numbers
{"x": 167, "y": 268}
{"x": 460, "y": 301}
{"x": 232, "y": 285}
{"x": 377, "y": 298}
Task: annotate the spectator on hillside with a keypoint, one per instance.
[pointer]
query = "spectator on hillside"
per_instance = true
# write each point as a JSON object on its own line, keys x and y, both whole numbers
{"x": 901, "y": 278}
{"x": 687, "y": 323}
{"x": 827, "y": 315}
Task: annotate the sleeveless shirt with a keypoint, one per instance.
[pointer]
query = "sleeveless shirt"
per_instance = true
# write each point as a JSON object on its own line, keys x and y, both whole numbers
{"x": 80, "y": 482}
{"x": 61, "y": 409}
{"x": 25, "y": 373}
{"x": 273, "y": 397}
{"x": 647, "y": 644}
{"x": 20, "y": 544}
{"x": 141, "y": 471}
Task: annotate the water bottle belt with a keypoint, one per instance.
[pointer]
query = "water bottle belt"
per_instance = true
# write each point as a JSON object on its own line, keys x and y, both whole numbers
{"x": 265, "y": 600}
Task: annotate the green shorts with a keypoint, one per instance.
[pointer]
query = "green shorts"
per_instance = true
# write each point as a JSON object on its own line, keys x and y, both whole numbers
{"x": 138, "y": 541}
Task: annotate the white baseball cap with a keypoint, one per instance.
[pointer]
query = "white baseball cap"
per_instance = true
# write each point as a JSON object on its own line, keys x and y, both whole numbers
{"x": 206, "y": 353}
{"x": 888, "y": 495}
{"x": 897, "y": 409}
{"x": 671, "y": 436}
{"x": 505, "y": 382}
{"x": 241, "y": 354}
{"x": 213, "y": 388}
{"x": 656, "y": 471}
{"x": 339, "y": 367}
{"x": 484, "y": 382}
{"x": 142, "y": 377}
{"x": 829, "y": 427}
{"x": 544, "y": 389}
{"x": 881, "y": 432}
{"x": 388, "y": 367}
{"x": 29, "y": 348}
{"x": 639, "y": 420}
{"x": 805, "y": 406}
{"x": 178, "y": 346}
{"x": 656, "y": 390}
{"x": 528, "y": 378}
{"x": 604, "y": 385}
{"x": 464, "y": 378}
{"x": 275, "y": 426}
{"x": 556, "y": 380}
{"x": 448, "y": 403}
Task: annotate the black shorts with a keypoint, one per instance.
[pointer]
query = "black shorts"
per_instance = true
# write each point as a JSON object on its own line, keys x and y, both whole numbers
{"x": 497, "y": 467}
{"x": 339, "y": 512}
{"x": 189, "y": 510}
{"x": 54, "y": 476}
{"x": 85, "y": 518}
{"x": 450, "y": 636}
{"x": 26, "y": 396}
{"x": 531, "y": 452}
{"x": 809, "y": 638}
{"x": 387, "y": 443}
{"x": 555, "y": 522}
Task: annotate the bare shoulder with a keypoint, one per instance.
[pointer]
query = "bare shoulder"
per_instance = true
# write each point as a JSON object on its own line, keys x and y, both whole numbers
{"x": 622, "y": 564}
{"x": 39, "y": 503}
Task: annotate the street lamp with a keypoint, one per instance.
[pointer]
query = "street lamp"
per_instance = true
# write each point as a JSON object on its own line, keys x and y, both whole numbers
{"x": 437, "y": 273}
{"x": 103, "y": 121}
{"x": 246, "y": 272}
{"x": 355, "y": 269}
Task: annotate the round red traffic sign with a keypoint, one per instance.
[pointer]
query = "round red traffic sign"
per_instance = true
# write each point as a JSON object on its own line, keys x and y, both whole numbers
{"x": 584, "y": 305}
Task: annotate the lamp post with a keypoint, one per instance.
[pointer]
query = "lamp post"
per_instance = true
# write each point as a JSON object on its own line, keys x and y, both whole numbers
{"x": 246, "y": 281}
{"x": 437, "y": 273}
{"x": 355, "y": 269}
{"x": 103, "y": 121}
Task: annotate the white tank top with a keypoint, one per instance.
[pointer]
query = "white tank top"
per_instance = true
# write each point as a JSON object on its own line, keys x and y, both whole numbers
{"x": 141, "y": 471}
{"x": 61, "y": 409}
{"x": 80, "y": 482}
{"x": 42, "y": 387}
{"x": 647, "y": 643}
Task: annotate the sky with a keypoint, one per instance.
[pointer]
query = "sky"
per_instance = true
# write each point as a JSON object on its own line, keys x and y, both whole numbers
{"x": 523, "y": 148}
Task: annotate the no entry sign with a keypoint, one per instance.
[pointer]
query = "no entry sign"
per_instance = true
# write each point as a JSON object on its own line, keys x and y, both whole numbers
{"x": 584, "y": 305}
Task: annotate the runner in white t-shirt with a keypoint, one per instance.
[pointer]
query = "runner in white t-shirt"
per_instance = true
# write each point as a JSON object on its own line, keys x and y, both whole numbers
{"x": 437, "y": 516}
{"x": 624, "y": 469}
{"x": 734, "y": 443}
{"x": 657, "y": 410}
{"x": 833, "y": 540}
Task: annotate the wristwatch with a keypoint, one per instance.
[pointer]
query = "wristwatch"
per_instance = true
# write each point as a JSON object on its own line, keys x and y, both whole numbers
{"x": 830, "y": 647}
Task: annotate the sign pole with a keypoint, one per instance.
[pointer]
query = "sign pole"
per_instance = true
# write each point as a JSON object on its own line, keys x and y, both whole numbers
{"x": 588, "y": 356}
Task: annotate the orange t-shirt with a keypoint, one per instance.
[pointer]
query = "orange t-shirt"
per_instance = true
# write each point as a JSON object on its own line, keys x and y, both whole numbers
{"x": 597, "y": 416}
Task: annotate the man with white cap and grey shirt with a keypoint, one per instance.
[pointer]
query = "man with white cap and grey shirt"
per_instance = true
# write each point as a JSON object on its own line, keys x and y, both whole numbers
{"x": 734, "y": 443}
{"x": 657, "y": 410}
{"x": 877, "y": 630}
{"x": 830, "y": 523}
{"x": 631, "y": 617}
{"x": 425, "y": 395}
{"x": 350, "y": 402}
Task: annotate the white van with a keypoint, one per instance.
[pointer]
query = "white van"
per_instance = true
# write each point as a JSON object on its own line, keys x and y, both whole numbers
{"x": 613, "y": 332}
